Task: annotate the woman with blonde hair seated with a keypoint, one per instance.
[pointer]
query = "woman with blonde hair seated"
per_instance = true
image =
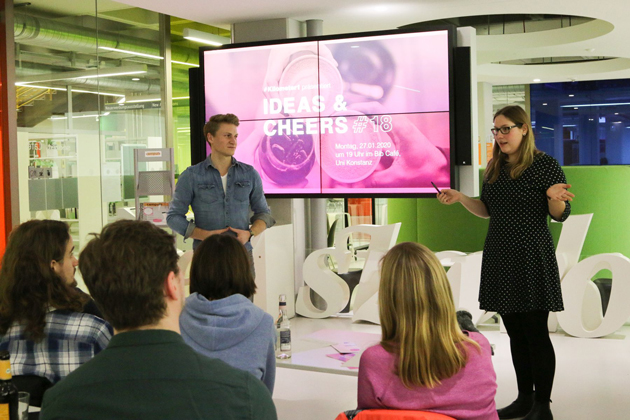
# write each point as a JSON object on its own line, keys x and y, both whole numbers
{"x": 424, "y": 361}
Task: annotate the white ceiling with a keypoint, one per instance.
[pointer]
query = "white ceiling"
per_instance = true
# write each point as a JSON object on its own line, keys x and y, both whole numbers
{"x": 610, "y": 37}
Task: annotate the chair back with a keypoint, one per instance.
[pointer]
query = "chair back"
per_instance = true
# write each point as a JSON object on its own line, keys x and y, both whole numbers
{"x": 184, "y": 265}
{"x": 331, "y": 234}
{"x": 378, "y": 414}
{"x": 34, "y": 385}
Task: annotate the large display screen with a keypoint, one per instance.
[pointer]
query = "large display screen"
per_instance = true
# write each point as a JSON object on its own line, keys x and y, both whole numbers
{"x": 361, "y": 115}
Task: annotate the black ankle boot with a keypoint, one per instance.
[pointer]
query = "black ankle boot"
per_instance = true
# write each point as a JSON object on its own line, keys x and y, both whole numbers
{"x": 540, "y": 411}
{"x": 519, "y": 408}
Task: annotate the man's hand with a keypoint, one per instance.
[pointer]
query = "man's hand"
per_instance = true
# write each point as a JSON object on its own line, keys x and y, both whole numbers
{"x": 202, "y": 234}
{"x": 242, "y": 235}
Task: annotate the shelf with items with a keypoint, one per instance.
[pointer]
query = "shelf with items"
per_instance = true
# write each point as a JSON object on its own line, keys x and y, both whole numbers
{"x": 53, "y": 148}
{"x": 55, "y": 157}
{"x": 52, "y": 174}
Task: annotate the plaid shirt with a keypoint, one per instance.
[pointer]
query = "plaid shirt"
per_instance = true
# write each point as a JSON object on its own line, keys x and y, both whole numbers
{"x": 71, "y": 339}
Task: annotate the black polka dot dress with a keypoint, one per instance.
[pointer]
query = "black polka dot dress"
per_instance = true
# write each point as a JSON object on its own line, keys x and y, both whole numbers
{"x": 519, "y": 271}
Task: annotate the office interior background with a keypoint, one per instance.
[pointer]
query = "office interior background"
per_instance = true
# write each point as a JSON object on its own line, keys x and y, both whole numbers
{"x": 87, "y": 83}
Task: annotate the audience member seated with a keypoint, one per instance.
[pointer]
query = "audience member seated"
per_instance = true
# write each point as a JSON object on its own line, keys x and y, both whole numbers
{"x": 219, "y": 320}
{"x": 424, "y": 361}
{"x": 41, "y": 319}
{"x": 147, "y": 371}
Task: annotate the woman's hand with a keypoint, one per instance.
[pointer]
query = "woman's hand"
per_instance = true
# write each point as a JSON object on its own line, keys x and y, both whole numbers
{"x": 449, "y": 196}
{"x": 559, "y": 192}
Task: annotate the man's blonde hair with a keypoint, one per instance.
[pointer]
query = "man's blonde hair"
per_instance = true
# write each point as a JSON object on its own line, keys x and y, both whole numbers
{"x": 213, "y": 124}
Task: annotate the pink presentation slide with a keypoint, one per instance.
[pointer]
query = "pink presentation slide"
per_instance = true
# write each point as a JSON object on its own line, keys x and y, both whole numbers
{"x": 364, "y": 115}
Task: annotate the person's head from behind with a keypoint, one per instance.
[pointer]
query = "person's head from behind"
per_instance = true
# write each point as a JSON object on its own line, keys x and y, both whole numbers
{"x": 131, "y": 271}
{"x": 37, "y": 273}
{"x": 220, "y": 268}
{"x": 418, "y": 319}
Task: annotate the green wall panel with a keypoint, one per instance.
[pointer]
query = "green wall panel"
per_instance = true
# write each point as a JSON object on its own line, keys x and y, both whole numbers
{"x": 601, "y": 190}
{"x": 403, "y": 210}
{"x": 442, "y": 227}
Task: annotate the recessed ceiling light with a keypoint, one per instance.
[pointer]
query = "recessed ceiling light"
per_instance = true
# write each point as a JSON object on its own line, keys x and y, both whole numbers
{"x": 183, "y": 63}
{"x": 84, "y": 74}
{"x": 575, "y": 107}
{"x": 135, "y": 79}
{"x": 536, "y": 80}
{"x": 571, "y": 96}
{"x": 544, "y": 103}
{"x": 616, "y": 113}
{"x": 157, "y": 57}
{"x": 590, "y": 105}
{"x": 205, "y": 38}
{"x": 73, "y": 90}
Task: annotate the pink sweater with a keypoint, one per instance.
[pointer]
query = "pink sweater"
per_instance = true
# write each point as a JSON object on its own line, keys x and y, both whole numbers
{"x": 468, "y": 395}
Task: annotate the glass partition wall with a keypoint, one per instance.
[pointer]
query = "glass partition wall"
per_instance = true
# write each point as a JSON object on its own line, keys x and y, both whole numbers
{"x": 91, "y": 84}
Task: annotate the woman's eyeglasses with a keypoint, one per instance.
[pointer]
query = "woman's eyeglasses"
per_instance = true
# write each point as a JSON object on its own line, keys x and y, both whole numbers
{"x": 503, "y": 130}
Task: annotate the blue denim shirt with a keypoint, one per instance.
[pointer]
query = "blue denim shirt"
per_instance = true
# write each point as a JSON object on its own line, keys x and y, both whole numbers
{"x": 200, "y": 187}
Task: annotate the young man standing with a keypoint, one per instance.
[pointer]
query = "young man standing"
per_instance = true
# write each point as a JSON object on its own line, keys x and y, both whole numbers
{"x": 220, "y": 190}
{"x": 147, "y": 371}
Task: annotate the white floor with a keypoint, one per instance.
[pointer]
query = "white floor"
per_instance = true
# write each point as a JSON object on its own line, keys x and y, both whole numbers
{"x": 592, "y": 376}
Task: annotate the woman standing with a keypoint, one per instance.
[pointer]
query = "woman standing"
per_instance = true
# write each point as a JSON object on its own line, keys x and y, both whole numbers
{"x": 425, "y": 361}
{"x": 519, "y": 272}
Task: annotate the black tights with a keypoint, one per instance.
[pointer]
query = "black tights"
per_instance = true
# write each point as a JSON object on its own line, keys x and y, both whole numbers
{"x": 532, "y": 352}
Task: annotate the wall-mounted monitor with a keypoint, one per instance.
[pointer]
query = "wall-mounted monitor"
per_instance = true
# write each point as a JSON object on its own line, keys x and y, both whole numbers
{"x": 353, "y": 115}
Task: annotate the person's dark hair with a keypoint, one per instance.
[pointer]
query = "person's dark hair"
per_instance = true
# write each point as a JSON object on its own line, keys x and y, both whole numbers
{"x": 215, "y": 121}
{"x": 125, "y": 269}
{"x": 220, "y": 268}
{"x": 28, "y": 283}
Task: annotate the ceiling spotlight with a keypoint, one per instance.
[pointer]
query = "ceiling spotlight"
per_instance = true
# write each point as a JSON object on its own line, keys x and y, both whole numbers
{"x": 536, "y": 80}
{"x": 135, "y": 79}
{"x": 571, "y": 96}
{"x": 544, "y": 103}
{"x": 205, "y": 38}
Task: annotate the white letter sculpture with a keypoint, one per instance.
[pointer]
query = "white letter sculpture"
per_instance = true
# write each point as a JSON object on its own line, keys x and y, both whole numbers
{"x": 578, "y": 280}
{"x": 332, "y": 288}
{"x": 464, "y": 277}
